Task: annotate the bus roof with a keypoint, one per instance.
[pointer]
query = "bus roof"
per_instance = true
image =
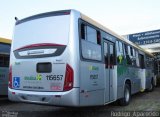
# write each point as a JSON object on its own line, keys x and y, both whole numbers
{"x": 4, "y": 40}
{"x": 89, "y": 20}
{"x": 84, "y": 17}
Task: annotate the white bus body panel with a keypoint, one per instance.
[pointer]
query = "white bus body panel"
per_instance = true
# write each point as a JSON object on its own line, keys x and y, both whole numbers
{"x": 37, "y": 31}
{"x": 142, "y": 76}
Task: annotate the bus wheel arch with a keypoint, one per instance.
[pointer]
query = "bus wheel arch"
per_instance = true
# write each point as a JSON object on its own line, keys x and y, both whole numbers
{"x": 127, "y": 93}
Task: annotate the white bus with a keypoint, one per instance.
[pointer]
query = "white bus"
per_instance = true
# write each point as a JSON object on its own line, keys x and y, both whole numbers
{"x": 5, "y": 45}
{"x": 64, "y": 58}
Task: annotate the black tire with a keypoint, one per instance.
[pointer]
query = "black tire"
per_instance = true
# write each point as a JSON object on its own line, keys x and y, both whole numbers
{"x": 126, "y": 97}
{"x": 151, "y": 86}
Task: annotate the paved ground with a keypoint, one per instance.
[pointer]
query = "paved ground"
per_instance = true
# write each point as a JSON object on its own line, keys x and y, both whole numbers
{"x": 147, "y": 101}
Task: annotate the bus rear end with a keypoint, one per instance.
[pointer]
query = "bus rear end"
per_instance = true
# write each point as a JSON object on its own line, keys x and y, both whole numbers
{"x": 41, "y": 69}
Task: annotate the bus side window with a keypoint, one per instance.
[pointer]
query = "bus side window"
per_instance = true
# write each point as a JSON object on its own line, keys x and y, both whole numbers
{"x": 98, "y": 37}
{"x": 141, "y": 61}
{"x": 106, "y": 55}
{"x": 128, "y": 59}
{"x": 137, "y": 60}
{"x": 90, "y": 42}
{"x": 112, "y": 56}
{"x": 83, "y": 32}
{"x": 126, "y": 49}
{"x": 131, "y": 51}
{"x": 133, "y": 57}
{"x": 120, "y": 57}
{"x": 90, "y": 34}
{"x": 148, "y": 62}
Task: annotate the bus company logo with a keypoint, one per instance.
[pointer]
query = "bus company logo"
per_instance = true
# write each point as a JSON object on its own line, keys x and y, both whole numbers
{"x": 38, "y": 77}
{"x": 16, "y": 82}
{"x": 93, "y": 68}
{"x": 17, "y": 63}
{"x": 120, "y": 58}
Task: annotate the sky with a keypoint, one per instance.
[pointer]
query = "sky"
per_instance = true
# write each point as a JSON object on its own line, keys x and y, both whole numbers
{"x": 121, "y": 16}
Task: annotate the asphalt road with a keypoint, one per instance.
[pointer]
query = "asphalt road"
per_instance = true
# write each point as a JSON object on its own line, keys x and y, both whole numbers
{"x": 146, "y": 101}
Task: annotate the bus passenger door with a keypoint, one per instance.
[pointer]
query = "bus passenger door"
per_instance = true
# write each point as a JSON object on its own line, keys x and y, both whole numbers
{"x": 109, "y": 73}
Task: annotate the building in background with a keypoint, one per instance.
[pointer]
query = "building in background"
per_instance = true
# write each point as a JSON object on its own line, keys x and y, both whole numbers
{"x": 150, "y": 41}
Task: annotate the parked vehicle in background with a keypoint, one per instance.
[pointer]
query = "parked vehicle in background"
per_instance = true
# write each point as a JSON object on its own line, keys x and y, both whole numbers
{"x": 5, "y": 45}
{"x": 65, "y": 58}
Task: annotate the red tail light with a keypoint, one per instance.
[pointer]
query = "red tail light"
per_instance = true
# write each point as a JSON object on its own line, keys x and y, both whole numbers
{"x": 39, "y": 45}
{"x": 69, "y": 77}
{"x": 10, "y": 77}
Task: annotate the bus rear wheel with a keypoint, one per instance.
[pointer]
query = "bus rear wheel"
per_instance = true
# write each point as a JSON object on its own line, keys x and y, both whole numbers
{"x": 151, "y": 86}
{"x": 127, "y": 96}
